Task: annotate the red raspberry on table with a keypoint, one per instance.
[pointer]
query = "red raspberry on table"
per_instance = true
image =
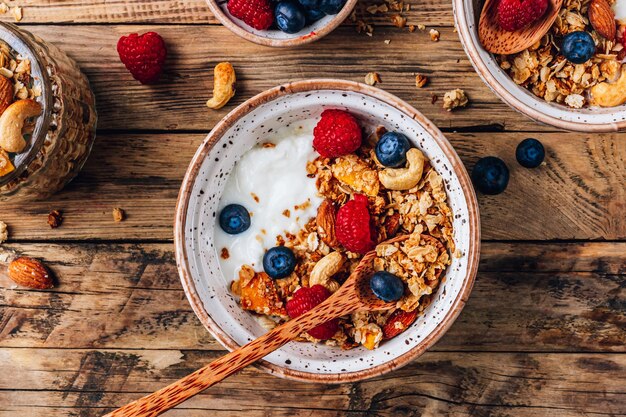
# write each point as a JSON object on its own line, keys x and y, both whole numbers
{"x": 304, "y": 300}
{"x": 336, "y": 134}
{"x": 517, "y": 14}
{"x": 353, "y": 226}
{"x": 143, "y": 55}
{"x": 256, "y": 13}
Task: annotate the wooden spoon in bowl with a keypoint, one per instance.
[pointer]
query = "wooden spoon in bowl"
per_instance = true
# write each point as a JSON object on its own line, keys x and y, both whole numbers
{"x": 354, "y": 295}
{"x": 499, "y": 41}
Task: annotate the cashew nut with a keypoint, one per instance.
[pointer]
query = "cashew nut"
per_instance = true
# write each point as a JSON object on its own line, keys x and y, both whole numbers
{"x": 404, "y": 178}
{"x": 324, "y": 269}
{"x": 223, "y": 85}
{"x": 12, "y": 123}
{"x": 609, "y": 95}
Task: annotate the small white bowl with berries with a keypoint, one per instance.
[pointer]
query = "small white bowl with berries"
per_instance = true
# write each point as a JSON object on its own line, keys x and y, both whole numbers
{"x": 287, "y": 194}
{"x": 281, "y": 23}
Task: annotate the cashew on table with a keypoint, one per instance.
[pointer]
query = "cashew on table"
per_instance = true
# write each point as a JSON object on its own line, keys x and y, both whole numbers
{"x": 324, "y": 270}
{"x": 609, "y": 94}
{"x": 224, "y": 81}
{"x": 404, "y": 178}
{"x": 12, "y": 123}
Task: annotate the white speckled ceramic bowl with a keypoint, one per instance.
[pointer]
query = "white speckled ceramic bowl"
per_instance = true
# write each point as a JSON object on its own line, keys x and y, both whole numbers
{"x": 466, "y": 16}
{"x": 247, "y": 125}
{"x": 275, "y": 37}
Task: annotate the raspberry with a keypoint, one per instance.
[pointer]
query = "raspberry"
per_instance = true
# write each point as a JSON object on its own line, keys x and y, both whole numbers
{"x": 304, "y": 300}
{"x": 255, "y": 13}
{"x": 336, "y": 134}
{"x": 353, "y": 226}
{"x": 143, "y": 55}
{"x": 517, "y": 14}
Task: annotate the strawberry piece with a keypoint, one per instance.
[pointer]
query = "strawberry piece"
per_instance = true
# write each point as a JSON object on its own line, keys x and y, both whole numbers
{"x": 143, "y": 55}
{"x": 336, "y": 134}
{"x": 304, "y": 300}
{"x": 353, "y": 226}
{"x": 398, "y": 322}
{"x": 258, "y": 14}
{"x": 517, "y": 14}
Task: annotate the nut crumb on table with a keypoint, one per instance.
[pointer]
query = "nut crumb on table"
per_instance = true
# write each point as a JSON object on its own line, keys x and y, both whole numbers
{"x": 4, "y": 232}
{"x": 454, "y": 99}
{"x": 118, "y": 214}
{"x": 420, "y": 80}
{"x": 55, "y": 218}
{"x": 371, "y": 78}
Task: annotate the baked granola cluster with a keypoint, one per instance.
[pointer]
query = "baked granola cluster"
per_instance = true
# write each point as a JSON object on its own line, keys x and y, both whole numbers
{"x": 422, "y": 212}
{"x": 544, "y": 71}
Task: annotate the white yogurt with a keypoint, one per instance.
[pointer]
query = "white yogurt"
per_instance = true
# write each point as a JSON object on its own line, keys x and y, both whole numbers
{"x": 277, "y": 178}
{"x": 619, "y": 8}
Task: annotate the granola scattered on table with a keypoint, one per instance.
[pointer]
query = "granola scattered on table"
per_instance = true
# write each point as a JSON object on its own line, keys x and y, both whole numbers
{"x": 364, "y": 203}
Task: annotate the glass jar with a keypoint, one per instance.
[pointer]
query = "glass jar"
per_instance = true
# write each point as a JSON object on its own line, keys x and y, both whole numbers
{"x": 64, "y": 131}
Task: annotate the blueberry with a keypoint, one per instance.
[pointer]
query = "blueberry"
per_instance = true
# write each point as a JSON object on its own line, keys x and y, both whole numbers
{"x": 387, "y": 286}
{"x": 331, "y": 6}
{"x": 310, "y": 4}
{"x": 391, "y": 149}
{"x": 279, "y": 262}
{"x": 530, "y": 153}
{"x": 490, "y": 175}
{"x": 290, "y": 16}
{"x": 234, "y": 219}
{"x": 578, "y": 47}
{"x": 313, "y": 15}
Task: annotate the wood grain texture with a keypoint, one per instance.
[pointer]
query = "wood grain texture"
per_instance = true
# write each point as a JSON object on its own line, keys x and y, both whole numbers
{"x": 92, "y": 382}
{"x": 178, "y": 101}
{"x": 579, "y": 192}
{"x": 429, "y": 12}
{"x": 527, "y": 297}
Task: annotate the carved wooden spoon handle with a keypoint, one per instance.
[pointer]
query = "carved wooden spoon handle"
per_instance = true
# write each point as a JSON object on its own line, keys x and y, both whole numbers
{"x": 179, "y": 391}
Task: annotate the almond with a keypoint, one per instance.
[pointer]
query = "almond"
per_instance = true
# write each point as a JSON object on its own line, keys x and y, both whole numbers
{"x": 326, "y": 223}
{"x": 392, "y": 225}
{"x": 6, "y": 93}
{"x": 398, "y": 322}
{"x": 602, "y": 18}
{"x": 30, "y": 273}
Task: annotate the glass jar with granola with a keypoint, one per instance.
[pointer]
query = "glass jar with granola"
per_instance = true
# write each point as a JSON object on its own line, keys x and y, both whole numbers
{"x": 47, "y": 116}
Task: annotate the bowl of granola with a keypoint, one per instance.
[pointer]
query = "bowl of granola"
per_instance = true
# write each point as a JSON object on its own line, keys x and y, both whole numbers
{"x": 288, "y": 192}
{"x": 284, "y": 23}
{"x": 548, "y": 81}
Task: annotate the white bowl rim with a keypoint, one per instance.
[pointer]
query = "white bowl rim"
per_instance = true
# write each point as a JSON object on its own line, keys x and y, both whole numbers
{"x": 473, "y": 253}
{"x": 460, "y": 17}
{"x": 331, "y": 25}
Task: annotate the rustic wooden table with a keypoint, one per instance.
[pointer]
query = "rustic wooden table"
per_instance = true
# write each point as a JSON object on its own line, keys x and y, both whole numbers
{"x": 543, "y": 333}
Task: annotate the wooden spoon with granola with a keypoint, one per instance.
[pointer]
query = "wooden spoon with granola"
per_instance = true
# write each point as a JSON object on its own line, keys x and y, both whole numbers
{"x": 511, "y": 26}
{"x": 354, "y": 295}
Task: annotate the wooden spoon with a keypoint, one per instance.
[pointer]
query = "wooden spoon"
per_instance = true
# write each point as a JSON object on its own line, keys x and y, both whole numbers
{"x": 354, "y": 295}
{"x": 498, "y": 41}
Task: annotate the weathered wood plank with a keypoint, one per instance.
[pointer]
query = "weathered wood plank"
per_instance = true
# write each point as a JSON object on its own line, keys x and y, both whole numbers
{"x": 177, "y": 102}
{"x": 428, "y": 12}
{"x": 528, "y": 297}
{"x": 90, "y": 382}
{"x": 579, "y": 193}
